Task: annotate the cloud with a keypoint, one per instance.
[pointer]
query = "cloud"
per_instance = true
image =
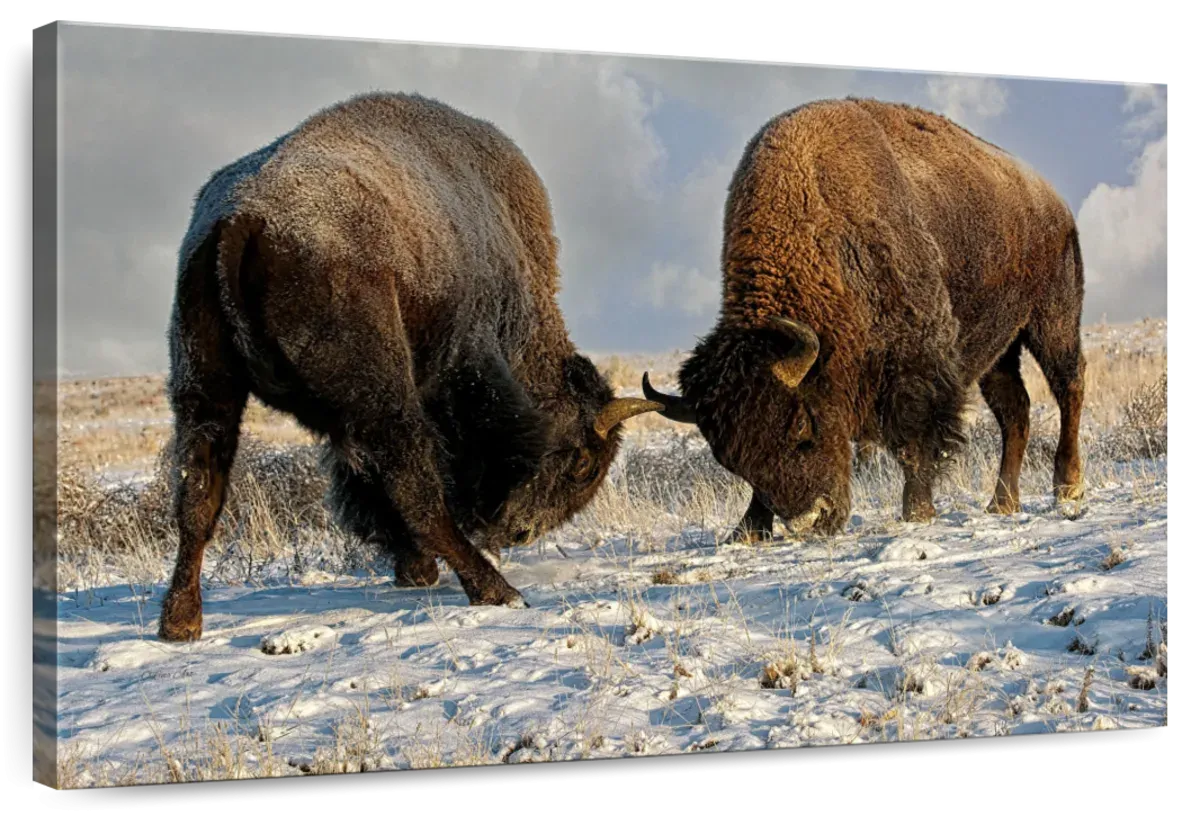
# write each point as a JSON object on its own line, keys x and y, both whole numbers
{"x": 143, "y": 130}
{"x": 149, "y": 114}
{"x": 636, "y": 153}
{"x": 688, "y": 281}
{"x": 967, "y": 100}
{"x": 687, "y": 289}
{"x": 1123, "y": 229}
{"x": 1123, "y": 236}
{"x": 1148, "y": 106}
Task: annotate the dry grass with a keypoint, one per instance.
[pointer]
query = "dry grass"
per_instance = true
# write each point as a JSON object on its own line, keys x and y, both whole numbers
{"x": 661, "y": 486}
{"x": 624, "y": 371}
{"x": 122, "y": 423}
{"x": 211, "y": 751}
{"x": 1116, "y": 556}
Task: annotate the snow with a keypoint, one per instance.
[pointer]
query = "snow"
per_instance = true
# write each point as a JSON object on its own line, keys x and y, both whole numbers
{"x": 297, "y": 640}
{"x": 890, "y": 631}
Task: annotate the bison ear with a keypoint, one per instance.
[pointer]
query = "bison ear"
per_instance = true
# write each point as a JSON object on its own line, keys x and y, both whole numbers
{"x": 583, "y": 380}
{"x": 793, "y": 367}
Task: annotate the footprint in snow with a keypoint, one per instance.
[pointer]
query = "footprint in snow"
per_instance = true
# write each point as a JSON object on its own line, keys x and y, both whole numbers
{"x": 908, "y": 549}
{"x": 297, "y": 640}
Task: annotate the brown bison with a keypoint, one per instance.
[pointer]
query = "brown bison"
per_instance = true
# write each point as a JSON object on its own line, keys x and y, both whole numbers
{"x": 877, "y": 260}
{"x": 387, "y": 274}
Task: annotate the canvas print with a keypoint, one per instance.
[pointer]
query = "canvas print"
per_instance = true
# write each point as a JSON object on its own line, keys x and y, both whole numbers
{"x": 409, "y": 406}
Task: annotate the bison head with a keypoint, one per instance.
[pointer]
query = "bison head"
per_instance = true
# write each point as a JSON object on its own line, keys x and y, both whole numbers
{"x": 764, "y": 401}
{"x": 580, "y": 434}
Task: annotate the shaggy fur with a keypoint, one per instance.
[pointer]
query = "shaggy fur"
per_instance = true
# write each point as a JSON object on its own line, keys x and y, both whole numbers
{"x": 925, "y": 259}
{"x": 387, "y": 273}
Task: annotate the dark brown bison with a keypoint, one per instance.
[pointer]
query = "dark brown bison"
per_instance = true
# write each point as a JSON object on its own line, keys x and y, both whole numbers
{"x": 879, "y": 259}
{"x": 387, "y": 273}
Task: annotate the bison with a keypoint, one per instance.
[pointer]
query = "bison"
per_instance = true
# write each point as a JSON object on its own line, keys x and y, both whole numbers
{"x": 878, "y": 259}
{"x": 387, "y": 274}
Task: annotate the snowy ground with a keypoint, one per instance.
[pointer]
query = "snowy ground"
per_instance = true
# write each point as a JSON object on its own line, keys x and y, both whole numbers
{"x": 974, "y": 625}
{"x": 643, "y": 635}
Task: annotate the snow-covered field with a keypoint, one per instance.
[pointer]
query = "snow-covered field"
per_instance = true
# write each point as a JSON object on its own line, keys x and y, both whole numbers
{"x": 643, "y": 636}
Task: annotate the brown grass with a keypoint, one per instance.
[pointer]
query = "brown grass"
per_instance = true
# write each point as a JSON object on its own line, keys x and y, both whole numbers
{"x": 111, "y": 430}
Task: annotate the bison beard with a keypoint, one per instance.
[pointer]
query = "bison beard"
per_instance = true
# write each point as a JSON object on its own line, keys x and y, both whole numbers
{"x": 387, "y": 273}
{"x": 916, "y": 259}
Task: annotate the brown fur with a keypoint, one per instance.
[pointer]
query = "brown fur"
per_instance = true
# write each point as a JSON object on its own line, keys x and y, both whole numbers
{"x": 387, "y": 273}
{"x": 924, "y": 258}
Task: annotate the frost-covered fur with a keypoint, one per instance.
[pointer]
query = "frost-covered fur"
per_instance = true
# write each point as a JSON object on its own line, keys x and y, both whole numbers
{"x": 387, "y": 273}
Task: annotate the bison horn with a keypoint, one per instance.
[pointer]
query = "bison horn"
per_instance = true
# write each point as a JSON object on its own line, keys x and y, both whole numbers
{"x": 791, "y": 369}
{"x": 676, "y": 409}
{"x": 619, "y": 410}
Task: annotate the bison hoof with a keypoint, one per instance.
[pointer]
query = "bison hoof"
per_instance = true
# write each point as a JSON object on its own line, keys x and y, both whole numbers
{"x": 1068, "y": 492}
{"x": 746, "y": 535}
{"x": 408, "y": 580}
{"x": 181, "y": 620}
{"x": 419, "y": 572}
{"x": 921, "y": 515}
{"x": 501, "y": 595}
{"x": 1004, "y": 507}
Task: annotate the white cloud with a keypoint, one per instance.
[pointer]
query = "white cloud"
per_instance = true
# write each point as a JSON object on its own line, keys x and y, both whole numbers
{"x": 1123, "y": 235}
{"x": 1123, "y": 229}
{"x": 1148, "y": 104}
{"x": 671, "y": 286}
{"x": 141, "y": 133}
{"x": 695, "y": 225}
{"x": 968, "y": 100}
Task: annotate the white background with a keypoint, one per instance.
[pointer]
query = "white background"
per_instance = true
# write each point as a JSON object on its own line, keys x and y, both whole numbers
{"x": 581, "y": 45}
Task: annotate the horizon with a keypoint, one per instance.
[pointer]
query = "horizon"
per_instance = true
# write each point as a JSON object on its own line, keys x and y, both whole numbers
{"x": 598, "y": 355}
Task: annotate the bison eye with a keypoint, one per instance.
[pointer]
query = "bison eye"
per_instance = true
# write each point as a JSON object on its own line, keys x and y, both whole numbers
{"x": 802, "y": 431}
{"x": 584, "y": 464}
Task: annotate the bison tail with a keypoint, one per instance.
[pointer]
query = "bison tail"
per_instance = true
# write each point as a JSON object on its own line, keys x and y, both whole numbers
{"x": 1076, "y": 259}
{"x": 236, "y": 247}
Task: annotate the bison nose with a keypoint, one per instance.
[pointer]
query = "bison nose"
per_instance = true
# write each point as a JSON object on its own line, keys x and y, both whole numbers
{"x": 797, "y": 527}
{"x": 803, "y": 523}
{"x": 522, "y": 537}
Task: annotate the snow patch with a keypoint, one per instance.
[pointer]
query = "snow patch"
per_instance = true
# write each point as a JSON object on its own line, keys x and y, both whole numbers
{"x": 908, "y": 549}
{"x": 297, "y": 640}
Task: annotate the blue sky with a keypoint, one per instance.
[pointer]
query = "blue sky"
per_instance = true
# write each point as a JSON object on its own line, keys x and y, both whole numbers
{"x": 636, "y": 154}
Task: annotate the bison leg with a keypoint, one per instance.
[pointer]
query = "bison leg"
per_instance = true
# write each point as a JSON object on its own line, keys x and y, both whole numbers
{"x": 1004, "y": 391}
{"x": 413, "y": 568}
{"x": 208, "y": 394}
{"x": 1057, "y": 351}
{"x": 755, "y": 526}
{"x": 203, "y": 457}
{"x": 402, "y": 452}
{"x": 364, "y": 509}
{"x": 352, "y": 354}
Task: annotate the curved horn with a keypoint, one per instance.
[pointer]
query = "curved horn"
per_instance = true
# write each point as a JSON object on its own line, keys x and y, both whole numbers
{"x": 677, "y": 408}
{"x": 619, "y": 410}
{"x": 792, "y": 369}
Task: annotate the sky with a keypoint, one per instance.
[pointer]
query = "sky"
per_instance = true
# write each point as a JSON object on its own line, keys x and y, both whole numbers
{"x": 636, "y": 153}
